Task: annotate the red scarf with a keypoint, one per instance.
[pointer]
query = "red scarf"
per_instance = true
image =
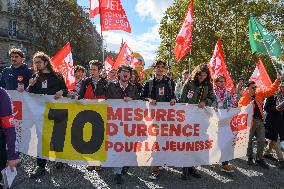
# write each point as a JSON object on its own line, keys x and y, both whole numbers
{"x": 220, "y": 92}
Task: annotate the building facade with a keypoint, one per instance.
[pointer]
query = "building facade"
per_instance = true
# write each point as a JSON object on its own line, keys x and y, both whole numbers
{"x": 15, "y": 31}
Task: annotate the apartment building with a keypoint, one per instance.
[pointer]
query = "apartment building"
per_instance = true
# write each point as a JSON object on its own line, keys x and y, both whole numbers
{"x": 15, "y": 31}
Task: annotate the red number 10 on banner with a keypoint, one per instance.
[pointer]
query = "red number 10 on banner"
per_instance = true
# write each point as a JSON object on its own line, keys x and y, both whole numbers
{"x": 75, "y": 131}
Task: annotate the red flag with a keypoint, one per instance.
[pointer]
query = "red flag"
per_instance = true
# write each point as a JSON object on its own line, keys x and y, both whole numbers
{"x": 63, "y": 63}
{"x": 138, "y": 66}
{"x": 217, "y": 66}
{"x": 109, "y": 64}
{"x": 113, "y": 16}
{"x": 125, "y": 56}
{"x": 260, "y": 76}
{"x": 94, "y": 8}
{"x": 184, "y": 38}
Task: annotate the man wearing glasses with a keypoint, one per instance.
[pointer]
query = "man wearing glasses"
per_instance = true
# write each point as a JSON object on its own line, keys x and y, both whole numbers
{"x": 159, "y": 89}
{"x": 257, "y": 96}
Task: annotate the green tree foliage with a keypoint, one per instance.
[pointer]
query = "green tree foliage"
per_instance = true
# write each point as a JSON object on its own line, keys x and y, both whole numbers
{"x": 224, "y": 19}
{"x": 55, "y": 22}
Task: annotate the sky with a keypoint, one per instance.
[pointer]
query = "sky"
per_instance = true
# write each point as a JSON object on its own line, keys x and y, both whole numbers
{"x": 144, "y": 17}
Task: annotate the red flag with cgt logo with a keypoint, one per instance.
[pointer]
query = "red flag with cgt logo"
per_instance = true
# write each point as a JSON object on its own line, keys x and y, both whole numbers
{"x": 184, "y": 38}
{"x": 261, "y": 77}
{"x": 63, "y": 63}
{"x": 217, "y": 66}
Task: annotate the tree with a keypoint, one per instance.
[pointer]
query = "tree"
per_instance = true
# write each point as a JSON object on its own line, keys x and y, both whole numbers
{"x": 56, "y": 22}
{"x": 225, "y": 19}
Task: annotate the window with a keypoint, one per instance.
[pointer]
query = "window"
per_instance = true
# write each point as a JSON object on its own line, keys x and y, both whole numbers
{"x": 13, "y": 28}
{"x": 12, "y": 2}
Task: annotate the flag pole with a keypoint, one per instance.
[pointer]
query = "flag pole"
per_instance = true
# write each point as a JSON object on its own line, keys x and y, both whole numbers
{"x": 189, "y": 64}
{"x": 103, "y": 50}
{"x": 267, "y": 50}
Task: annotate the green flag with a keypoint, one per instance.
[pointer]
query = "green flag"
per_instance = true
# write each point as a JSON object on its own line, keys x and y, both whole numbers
{"x": 261, "y": 40}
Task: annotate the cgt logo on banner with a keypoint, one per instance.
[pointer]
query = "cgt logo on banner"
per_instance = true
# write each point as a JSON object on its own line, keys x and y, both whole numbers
{"x": 114, "y": 133}
{"x": 239, "y": 122}
{"x": 18, "y": 118}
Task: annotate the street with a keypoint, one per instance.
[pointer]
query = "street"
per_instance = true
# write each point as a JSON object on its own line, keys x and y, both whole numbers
{"x": 72, "y": 176}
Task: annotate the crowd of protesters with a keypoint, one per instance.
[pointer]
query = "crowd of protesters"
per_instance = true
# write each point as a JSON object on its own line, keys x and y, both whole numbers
{"x": 124, "y": 83}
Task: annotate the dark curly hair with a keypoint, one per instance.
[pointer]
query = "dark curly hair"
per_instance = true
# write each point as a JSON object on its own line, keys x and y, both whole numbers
{"x": 197, "y": 70}
{"x": 44, "y": 57}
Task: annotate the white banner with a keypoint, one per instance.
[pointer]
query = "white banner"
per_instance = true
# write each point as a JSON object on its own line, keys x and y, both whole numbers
{"x": 115, "y": 133}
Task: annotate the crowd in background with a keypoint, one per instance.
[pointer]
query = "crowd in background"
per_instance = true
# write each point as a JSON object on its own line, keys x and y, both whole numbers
{"x": 124, "y": 83}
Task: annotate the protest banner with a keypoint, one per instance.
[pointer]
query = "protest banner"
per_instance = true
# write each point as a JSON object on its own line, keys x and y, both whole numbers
{"x": 114, "y": 133}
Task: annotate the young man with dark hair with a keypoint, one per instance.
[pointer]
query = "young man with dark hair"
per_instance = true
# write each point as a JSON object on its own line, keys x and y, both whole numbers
{"x": 16, "y": 77}
{"x": 123, "y": 89}
{"x": 160, "y": 88}
{"x": 94, "y": 87}
{"x": 8, "y": 155}
{"x": 78, "y": 72}
{"x": 257, "y": 97}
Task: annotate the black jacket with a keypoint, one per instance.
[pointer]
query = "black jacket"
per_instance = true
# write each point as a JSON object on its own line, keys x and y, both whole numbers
{"x": 99, "y": 90}
{"x": 49, "y": 83}
{"x": 159, "y": 90}
{"x": 273, "y": 117}
{"x": 114, "y": 91}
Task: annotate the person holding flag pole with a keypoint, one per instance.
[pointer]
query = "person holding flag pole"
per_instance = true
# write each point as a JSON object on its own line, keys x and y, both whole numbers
{"x": 263, "y": 42}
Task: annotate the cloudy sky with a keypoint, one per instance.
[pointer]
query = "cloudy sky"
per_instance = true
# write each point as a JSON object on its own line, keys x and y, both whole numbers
{"x": 144, "y": 17}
